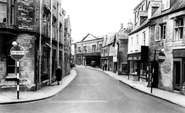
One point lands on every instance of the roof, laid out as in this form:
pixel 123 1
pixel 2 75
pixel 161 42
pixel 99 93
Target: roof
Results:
pixel 108 39
pixel 89 35
pixel 143 25
pixel 176 6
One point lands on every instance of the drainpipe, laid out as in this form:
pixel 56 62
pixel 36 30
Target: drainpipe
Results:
pixel 40 48
pixel 58 33
pixel 51 46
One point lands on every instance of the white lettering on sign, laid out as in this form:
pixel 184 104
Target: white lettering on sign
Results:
pixel 162 57
pixel 17 52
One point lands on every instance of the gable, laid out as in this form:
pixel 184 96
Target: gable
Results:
pixel 89 37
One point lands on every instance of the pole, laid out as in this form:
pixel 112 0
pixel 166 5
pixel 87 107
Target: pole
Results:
pixel 40 39
pixel 58 34
pixel 17 73
pixel 152 70
pixel 51 36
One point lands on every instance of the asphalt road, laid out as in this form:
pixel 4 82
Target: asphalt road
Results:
pixel 93 91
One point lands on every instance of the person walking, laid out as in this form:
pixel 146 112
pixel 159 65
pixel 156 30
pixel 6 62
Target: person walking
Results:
pixel 105 66
pixel 58 75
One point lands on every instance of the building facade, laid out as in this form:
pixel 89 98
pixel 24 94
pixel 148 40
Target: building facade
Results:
pixel 167 34
pixel 121 43
pixel 138 45
pixel 88 51
pixel 67 45
pixel 34 25
pixel 108 55
pixel 161 29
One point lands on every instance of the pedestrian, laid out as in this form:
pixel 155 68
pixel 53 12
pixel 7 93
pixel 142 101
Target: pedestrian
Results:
pixel 105 66
pixel 58 75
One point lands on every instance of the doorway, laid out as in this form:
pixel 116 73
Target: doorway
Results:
pixel 177 73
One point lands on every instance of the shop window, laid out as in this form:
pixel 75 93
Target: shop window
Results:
pixel 178 29
pixel 3 10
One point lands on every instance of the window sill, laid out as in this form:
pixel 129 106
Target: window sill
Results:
pixel 11 77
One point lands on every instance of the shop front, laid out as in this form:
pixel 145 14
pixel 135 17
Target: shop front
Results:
pixel 178 70
pixel 137 68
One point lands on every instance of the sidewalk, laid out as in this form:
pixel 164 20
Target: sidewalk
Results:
pixel 8 97
pixel 162 94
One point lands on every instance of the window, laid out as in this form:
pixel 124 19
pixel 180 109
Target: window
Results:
pixel 85 48
pixel 3 10
pixel 45 59
pixel 160 32
pixel 93 47
pixel 144 37
pixel 79 49
pixel 179 27
pixel 12 12
pixel 132 41
pixel 137 38
pixel 163 31
pixel 100 46
pixel 165 4
pixel 11 66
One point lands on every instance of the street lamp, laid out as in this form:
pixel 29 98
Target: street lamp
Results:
pixel 14 43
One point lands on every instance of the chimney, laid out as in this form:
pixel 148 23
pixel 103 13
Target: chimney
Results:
pixel 129 25
pixel 121 26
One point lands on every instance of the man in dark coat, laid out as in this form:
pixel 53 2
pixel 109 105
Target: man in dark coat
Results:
pixel 58 75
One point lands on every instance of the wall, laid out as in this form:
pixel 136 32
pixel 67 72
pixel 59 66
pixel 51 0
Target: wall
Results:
pixel 27 63
pixel 136 47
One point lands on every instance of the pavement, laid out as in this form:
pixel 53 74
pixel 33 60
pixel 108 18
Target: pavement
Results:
pixel 10 97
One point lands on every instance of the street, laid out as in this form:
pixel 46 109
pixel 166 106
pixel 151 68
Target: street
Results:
pixel 93 91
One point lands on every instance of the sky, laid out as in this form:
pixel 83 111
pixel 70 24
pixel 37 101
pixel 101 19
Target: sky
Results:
pixel 98 17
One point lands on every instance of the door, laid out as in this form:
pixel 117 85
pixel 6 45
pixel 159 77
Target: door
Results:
pixel 177 73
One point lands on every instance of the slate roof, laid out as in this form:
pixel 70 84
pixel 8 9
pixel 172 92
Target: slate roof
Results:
pixel 177 5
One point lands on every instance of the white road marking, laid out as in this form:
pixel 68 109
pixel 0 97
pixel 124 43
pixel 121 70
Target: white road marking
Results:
pixel 81 101
pixel 86 84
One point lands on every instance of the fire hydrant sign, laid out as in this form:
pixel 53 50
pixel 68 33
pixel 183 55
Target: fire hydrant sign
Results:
pixel 17 52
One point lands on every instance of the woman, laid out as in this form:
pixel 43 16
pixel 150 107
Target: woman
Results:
pixel 58 75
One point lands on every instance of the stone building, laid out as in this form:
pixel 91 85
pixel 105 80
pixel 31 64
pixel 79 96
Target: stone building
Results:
pixel 164 25
pixel 167 34
pixel 31 25
pixel 121 43
pixel 67 45
pixel 88 51
pixel 108 52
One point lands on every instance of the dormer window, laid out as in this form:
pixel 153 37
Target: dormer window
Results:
pixel 165 4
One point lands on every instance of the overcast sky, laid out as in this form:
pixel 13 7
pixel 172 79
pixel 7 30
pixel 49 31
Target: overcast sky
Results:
pixel 98 17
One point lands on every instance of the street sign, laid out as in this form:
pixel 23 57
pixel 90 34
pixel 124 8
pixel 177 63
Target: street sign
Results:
pixel 161 57
pixel 17 52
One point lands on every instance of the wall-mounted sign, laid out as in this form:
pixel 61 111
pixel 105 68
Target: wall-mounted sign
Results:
pixel 161 57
